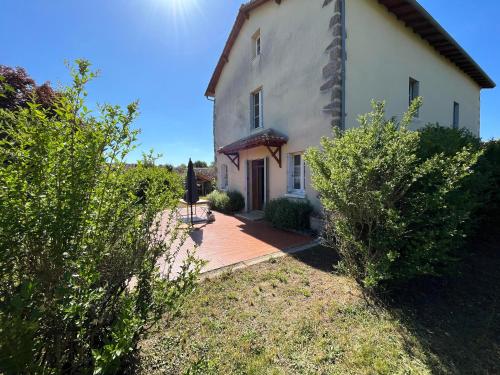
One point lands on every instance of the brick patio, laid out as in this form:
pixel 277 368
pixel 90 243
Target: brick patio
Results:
pixel 230 240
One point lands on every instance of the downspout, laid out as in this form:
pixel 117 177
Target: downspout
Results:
pixel 213 133
pixel 213 124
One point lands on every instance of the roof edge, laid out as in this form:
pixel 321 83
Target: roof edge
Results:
pixel 481 77
pixel 243 15
pixel 490 83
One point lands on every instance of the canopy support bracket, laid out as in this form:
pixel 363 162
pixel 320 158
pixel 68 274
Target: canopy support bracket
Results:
pixel 276 154
pixel 235 158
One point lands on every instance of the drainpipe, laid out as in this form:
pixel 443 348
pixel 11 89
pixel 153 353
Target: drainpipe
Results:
pixel 213 132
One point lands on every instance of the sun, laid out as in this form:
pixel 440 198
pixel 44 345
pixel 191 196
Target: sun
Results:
pixel 174 19
pixel 180 12
pixel 181 7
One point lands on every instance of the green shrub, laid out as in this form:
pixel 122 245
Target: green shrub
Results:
pixel 436 139
pixel 480 190
pixel 218 200
pixel 284 213
pixel 489 166
pixel 473 194
pixel 226 202
pixel 143 176
pixel 79 282
pixel 391 214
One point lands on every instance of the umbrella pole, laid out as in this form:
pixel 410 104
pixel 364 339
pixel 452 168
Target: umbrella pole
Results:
pixel 191 213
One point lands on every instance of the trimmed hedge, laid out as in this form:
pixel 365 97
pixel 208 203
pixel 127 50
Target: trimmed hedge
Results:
pixel 226 202
pixel 284 213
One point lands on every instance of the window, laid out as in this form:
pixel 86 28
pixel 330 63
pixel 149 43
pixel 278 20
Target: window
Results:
pixel 456 115
pixel 414 89
pixel 224 176
pixel 256 44
pixel 256 104
pixel 296 174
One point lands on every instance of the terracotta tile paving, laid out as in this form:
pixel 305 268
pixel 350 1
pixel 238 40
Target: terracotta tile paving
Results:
pixel 230 240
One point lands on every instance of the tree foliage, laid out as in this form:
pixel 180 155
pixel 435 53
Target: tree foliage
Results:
pixel 392 212
pixel 18 89
pixel 200 164
pixel 79 275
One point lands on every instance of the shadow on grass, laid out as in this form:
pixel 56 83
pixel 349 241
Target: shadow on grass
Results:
pixel 320 258
pixel 455 320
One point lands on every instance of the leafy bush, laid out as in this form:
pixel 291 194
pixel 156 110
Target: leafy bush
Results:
pixel 481 188
pixel 489 166
pixel 392 214
pixel 143 176
pixel 284 213
pixel 226 202
pixel 79 281
pixel 435 139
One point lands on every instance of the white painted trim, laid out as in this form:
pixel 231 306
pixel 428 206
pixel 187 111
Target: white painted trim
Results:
pixel 290 178
pixel 259 91
pixel 296 195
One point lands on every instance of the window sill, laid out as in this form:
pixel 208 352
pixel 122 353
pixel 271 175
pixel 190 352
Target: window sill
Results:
pixel 296 195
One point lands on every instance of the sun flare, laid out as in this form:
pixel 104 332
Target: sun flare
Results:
pixel 181 7
pixel 180 12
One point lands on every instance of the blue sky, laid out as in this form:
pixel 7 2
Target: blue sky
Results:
pixel 163 52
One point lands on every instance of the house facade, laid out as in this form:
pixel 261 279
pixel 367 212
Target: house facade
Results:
pixel 292 69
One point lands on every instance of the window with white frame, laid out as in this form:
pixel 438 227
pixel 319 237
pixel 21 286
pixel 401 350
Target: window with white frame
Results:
pixel 256 43
pixel 413 92
pixel 456 115
pixel 296 174
pixel 256 104
pixel 224 177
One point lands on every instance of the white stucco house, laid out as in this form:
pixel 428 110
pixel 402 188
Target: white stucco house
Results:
pixel 292 69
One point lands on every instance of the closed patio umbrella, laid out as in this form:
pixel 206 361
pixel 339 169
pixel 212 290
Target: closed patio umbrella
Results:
pixel 191 196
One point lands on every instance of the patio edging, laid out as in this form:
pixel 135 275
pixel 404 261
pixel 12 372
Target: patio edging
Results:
pixel 264 258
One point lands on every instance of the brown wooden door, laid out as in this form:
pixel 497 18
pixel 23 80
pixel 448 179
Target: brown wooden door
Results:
pixel 258 188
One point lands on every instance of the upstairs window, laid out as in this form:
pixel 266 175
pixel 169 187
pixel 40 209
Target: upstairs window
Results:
pixel 256 109
pixel 256 43
pixel 456 115
pixel 296 174
pixel 414 91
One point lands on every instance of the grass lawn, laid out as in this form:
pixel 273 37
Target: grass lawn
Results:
pixel 294 316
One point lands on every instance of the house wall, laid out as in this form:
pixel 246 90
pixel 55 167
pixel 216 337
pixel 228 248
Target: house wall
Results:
pixel 290 73
pixel 381 56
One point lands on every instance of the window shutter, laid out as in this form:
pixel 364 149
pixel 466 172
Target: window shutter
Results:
pixel 251 112
pixel 261 108
pixel 227 176
pixel 224 177
pixel 266 171
pixel 249 171
pixel 303 168
pixel 290 173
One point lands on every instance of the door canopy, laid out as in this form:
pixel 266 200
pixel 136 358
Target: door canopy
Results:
pixel 268 138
